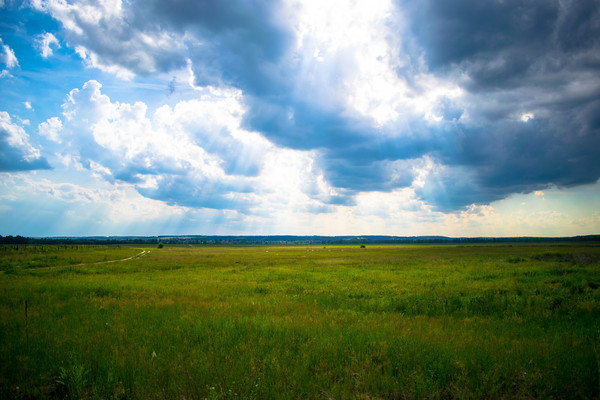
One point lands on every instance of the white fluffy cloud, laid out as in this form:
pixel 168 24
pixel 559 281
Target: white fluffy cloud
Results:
pixel 51 129
pixel 16 151
pixel 192 154
pixel 15 136
pixel 45 41
pixel 8 58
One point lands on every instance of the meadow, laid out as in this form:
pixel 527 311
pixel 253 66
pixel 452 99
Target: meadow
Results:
pixel 302 322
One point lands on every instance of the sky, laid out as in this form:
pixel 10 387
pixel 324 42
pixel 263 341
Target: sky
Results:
pixel 257 117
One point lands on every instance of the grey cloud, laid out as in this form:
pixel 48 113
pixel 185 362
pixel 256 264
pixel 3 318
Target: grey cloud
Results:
pixel 460 30
pixel 514 57
pixel 369 175
pixel 237 42
pixel 230 42
pixel 506 44
pixel 577 25
pixel 14 159
pixel 198 193
pixel 517 157
pixel 172 86
pixel 113 39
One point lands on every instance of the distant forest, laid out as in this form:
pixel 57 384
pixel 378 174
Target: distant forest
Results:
pixel 284 240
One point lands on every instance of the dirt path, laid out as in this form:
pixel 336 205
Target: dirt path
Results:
pixel 143 253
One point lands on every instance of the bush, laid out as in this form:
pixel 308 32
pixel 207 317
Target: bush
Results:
pixel 160 245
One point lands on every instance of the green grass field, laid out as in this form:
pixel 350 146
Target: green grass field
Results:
pixel 380 322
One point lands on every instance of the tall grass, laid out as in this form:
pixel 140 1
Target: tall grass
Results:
pixel 259 322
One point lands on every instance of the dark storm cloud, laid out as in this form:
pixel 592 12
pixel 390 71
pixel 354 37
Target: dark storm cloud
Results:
pixel 511 157
pixel 298 124
pixel 503 45
pixel 515 57
pixel 236 42
pixel 456 31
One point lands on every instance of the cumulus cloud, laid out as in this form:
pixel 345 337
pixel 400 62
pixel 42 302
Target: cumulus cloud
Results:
pixel 45 41
pixel 194 154
pixel 8 58
pixel 16 151
pixel 105 37
pixel 51 129
pixel 500 97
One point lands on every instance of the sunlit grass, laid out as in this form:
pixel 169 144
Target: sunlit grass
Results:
pixel 259 322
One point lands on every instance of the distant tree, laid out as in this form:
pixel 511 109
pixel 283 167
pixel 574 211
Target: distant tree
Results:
pixel 14 239
pixel 160 245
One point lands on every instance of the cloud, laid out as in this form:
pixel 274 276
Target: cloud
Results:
pixel 501 97
pixel 172 86
pixel 51 129
pixel 96 208
pixel 194 154
pixel 16 152
pixel 235 43
pixel 526 116
pixel 480 35
pixel 45 41
pixel 105 37
pixel 8 58
pixel 511 56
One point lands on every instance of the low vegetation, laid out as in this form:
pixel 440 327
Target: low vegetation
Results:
pixel 376 322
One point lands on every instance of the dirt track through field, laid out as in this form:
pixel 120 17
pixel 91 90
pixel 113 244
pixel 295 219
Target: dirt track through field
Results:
pixel 143 253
